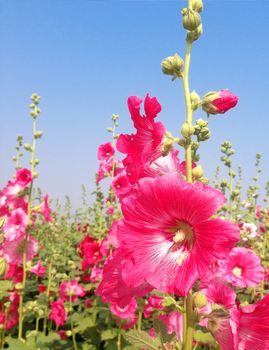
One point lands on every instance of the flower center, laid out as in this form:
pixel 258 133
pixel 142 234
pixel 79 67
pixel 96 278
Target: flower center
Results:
pixel 183 234
pixel 237 271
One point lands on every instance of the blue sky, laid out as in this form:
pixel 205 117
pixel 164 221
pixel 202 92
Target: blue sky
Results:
pixel 86 57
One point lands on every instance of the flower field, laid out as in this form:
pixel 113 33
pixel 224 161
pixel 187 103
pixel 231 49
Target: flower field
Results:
pixel 160 258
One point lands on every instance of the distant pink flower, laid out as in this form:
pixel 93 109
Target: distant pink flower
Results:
pixel 126 311
pixel 104 247
pixel 250 229
pixel 174 323
pixel 58 313
pixel 88 303
pixel 105 151
pixel 23 177
pixel 38 269
pixel 112 287
pixel 71 290
pixel 14 249
pixel 154 302
pixel 167 238
pixel 121 185
pixel 90 251
pixel 219 102
pixel 96 274
pixel 16 224
pixel 242 268
pixel 110 210
pixel 45 209
pixel 14 273
pixel 112 233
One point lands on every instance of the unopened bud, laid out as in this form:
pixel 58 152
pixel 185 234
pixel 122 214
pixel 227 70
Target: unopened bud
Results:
pixel 28 147
pixel 38 134
pixel 68 333
pixel 168 142
pixel 187 130
pixel 195 99
pixel 168 301
pixel 195 34
pixel 173 65
pixel 3 267
pixel 115 117
pixel 199 300
pixel 109 129
pixel 198 172
pixel 197 5
pixel 191 19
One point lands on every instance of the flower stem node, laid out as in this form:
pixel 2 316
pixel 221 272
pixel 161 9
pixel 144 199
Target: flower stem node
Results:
pixel 191 19
pixel 173 65
pixel 198 172
pixel 199 300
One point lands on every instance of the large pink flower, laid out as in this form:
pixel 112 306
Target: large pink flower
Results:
pixel 23 177
pixel 15 249
pixel 38 269
pixel 126 311
pixel 167 238
pixel 16 224
pixel 105 151
pixel 242 268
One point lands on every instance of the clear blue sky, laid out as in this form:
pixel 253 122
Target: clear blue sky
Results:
pixel 86 57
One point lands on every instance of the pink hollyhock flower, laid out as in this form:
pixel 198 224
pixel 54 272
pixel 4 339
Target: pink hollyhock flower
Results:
pixel 3 205
pixel 126 311
pixel 246 329
pixel 145 145
pixel 96 274
pixel 100 173
pixel 88 303
pixel 11 319
pixel 41 288
pixel 16 224
pixel 154 302
pixel 104 247
pixel 174 323
pixel 38 269
pixel 242 268
pixel 14 273
pixel 250 229
pixel 127 323
pixel 172 243
pixel 121 185
pixel 45 209
pixel 219 102
pixel 58 313
pixel 23 177
pixel 112 287
pixel 110 210
pixel 14 249
pixel 90 250
pixel 218 292
pixel 112 233
pixel 71 289
pixel 105 151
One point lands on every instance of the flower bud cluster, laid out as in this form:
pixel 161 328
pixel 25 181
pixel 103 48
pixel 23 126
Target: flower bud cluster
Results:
pixel 173 65
pixel 226 149
pixel 192 20
pixel 201 130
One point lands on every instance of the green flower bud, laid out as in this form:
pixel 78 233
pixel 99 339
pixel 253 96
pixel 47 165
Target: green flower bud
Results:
pixel 3 267
pixel 28 147
pixel 195 99
pixel 201 122
pixel 38 134
pixel 195 34
pixel 168 142
pixel 168 301
pixel 191 19
pixel 115 117
pixel 109 129
pixel 187 130
pixel 198 172
pixel 199 300
pixel 197 5
pixel 68 333
pixel 173 65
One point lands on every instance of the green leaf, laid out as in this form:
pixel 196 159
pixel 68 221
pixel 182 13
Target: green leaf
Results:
pixel 204 338
pixel 16 344
pixel 142 339
pixel 109 334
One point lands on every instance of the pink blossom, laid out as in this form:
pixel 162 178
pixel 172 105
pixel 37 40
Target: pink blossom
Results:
pixel 38 269
pixel 45 209
pixel 96 274
pixel 126 311
pixel 105 151
pixel 23 177
pixel 219 102
pixel 121 185
pixel 88 303
pixel 174 323
pixel 112 287
pixel 154 302
pixel 112 233
pixel 16 224
pixel 110 210
pixel 250 229
pixel 242 268
pixel 71 290
pixel 167 238
pixel 90 251
pixel 58 313
pixel 15 249
pixel 104 247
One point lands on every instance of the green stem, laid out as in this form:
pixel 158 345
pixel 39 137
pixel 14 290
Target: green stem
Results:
pixel 21 297
pixel 230 194
pixel 189 330
pixel 72 327
pixel 119 340
pixel 47 297
pixel 139 324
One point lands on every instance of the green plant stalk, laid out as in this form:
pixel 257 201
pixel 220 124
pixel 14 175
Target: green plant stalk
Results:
pixel 188 330
pixel 47 295
pixel 72 327
pixel 230 194
pixel 21 298
pixel 119 340
pixel 139 324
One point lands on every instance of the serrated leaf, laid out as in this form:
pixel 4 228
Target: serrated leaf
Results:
pixel 16 344
pixel 161 331
pixel 142 339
